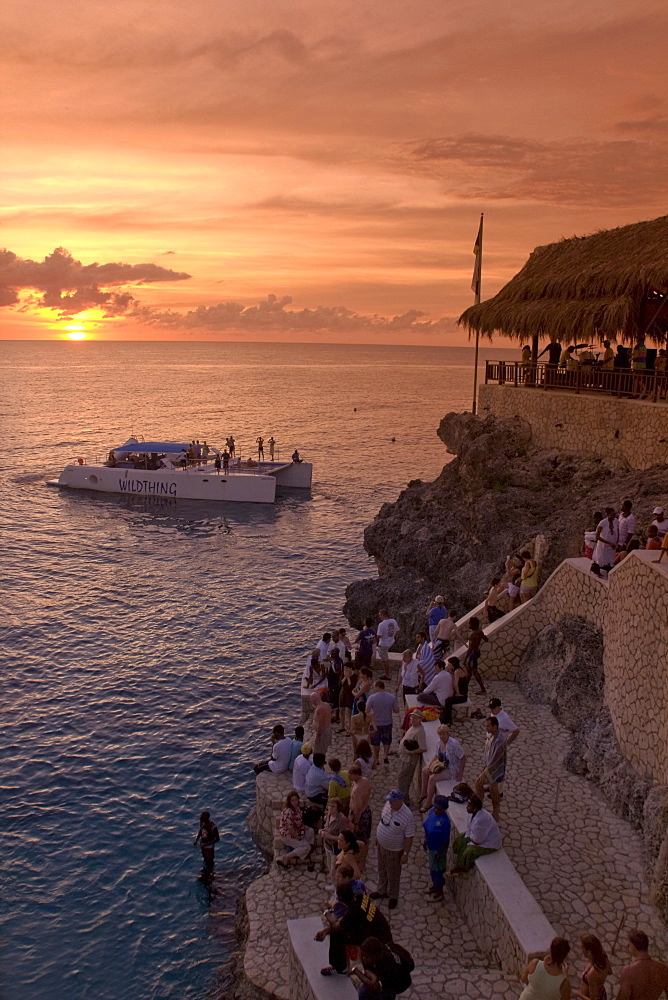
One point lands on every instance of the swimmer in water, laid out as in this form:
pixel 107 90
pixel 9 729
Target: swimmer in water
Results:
pixel 207 838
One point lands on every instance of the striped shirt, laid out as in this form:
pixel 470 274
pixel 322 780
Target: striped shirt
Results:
pixel 394 827
pixel 425 657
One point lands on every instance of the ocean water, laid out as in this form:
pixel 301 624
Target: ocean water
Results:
pixel 149 644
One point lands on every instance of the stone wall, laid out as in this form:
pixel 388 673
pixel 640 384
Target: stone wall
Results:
pixel 630 433
pixel 270 792
pixel 570 591
pixel 631 611
pixel 635 656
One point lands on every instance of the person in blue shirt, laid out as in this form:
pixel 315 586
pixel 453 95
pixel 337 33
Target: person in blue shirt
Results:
pixel 437 839
pixel 435 612
pixel 365 643
pixel 297 743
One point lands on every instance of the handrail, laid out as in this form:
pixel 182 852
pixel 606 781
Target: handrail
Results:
pixel 627 382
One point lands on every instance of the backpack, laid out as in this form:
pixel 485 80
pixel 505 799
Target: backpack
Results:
pixel 405 965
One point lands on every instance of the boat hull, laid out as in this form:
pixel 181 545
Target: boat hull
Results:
pixel 193 484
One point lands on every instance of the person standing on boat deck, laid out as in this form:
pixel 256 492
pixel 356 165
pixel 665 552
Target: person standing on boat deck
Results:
pixel 232 446
pixel 259 441
pixel 182 458
pixel 198 451
pixel 205 453
pixel 226 461
pixel 216 464
pixel 272 444
pixel 295 456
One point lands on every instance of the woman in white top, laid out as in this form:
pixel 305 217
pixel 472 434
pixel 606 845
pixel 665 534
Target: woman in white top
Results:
pixel 607 537
pixel 449 762
pixel 546 977
pixel 411 674
pixel 313 678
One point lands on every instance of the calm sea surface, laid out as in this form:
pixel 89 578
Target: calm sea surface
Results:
pixel 148 645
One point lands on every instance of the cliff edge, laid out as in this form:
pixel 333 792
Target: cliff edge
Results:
pixel 499 494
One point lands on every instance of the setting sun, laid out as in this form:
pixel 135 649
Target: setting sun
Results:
pixel 75 331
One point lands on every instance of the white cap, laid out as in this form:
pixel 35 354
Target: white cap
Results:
pixel 658 510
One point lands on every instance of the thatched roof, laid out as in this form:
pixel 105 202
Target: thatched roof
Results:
pixel 584 288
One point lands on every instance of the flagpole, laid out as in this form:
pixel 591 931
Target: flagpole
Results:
pixel 477 283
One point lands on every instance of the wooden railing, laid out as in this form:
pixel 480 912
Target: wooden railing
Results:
pixel 648 384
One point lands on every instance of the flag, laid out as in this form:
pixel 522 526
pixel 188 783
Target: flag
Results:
pixel 477 267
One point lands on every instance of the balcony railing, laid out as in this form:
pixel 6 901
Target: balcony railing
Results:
pixel 648 384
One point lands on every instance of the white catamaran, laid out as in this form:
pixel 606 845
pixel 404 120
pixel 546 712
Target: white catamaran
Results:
pixel 161 469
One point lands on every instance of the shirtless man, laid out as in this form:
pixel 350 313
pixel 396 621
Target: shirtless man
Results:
pixel 360 811
pixel 447 631
pixel 496 589
pixel 476 639
pixel 322 722
pixel 647 978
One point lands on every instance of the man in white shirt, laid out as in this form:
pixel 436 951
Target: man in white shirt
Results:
pixel 386 635
pixel 338 644
pixel 441 687
pixel 661 521
pixel 280 754
pixel 324 645
pixel 482 837
pixel 301 767
pixel 506 724
pixel 627 524
pixel 394 839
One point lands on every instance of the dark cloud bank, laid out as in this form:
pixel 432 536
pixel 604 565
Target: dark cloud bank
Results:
pixel 66 285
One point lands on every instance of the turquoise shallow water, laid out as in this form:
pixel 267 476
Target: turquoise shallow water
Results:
pixel 147 646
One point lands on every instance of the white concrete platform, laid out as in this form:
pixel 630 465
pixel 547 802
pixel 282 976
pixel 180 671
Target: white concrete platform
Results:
pixel 503 916
pixel 307 958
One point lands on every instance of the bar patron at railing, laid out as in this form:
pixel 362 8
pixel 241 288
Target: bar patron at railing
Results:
pixel 586 377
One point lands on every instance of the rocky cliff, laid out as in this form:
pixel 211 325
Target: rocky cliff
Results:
pixel 499 494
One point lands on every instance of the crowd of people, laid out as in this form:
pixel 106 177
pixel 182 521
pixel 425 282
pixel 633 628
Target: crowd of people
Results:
pixel 635 371
pixel 330 799
pixel 613 535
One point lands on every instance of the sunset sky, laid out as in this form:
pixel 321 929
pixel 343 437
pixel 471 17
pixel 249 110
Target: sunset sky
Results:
pixel 295 170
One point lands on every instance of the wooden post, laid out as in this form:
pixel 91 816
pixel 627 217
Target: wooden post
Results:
pixel 476 285
pixel 619 931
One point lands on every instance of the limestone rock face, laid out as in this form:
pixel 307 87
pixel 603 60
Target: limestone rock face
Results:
pixel 563 667
pixel 499 494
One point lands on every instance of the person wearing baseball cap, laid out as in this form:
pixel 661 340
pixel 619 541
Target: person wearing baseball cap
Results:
pixel 660 521
pixel 435 612
pixel 394 839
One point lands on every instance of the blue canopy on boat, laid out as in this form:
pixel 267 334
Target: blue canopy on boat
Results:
pixel 148 447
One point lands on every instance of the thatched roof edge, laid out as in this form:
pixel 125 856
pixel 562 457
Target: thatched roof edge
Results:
pixel 581 288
